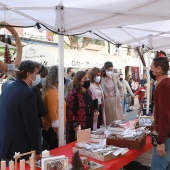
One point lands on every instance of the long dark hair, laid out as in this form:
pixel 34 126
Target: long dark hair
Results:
pixel 77 78
pixel 107 65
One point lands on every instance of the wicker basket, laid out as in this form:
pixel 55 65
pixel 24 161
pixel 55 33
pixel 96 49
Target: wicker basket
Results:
pixel 130 144
pixel 151 128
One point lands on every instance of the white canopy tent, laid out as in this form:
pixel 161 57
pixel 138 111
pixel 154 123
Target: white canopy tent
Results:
pixel 72 17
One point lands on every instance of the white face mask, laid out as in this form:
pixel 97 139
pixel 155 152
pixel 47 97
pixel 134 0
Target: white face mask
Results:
pixel 36 81
pixel 109 73
pixel 97 79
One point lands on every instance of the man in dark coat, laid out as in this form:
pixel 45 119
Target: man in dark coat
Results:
pixel 19 129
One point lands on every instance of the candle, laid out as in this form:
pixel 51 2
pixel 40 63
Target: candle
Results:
pixel 32 162
pixel 45 154
pixel 11 165
pixel 22 164
pixel 3 165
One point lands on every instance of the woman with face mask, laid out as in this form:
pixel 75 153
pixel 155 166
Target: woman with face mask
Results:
pixel 113 93
pixel 79 104
pixel 97 94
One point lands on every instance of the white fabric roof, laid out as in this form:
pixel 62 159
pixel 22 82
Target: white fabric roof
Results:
pixel 136 35
pixel 84 15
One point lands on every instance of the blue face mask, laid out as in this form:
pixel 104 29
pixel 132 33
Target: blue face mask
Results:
pixel 42 80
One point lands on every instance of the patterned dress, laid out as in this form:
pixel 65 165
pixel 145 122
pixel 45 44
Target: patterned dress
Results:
pixel 79 111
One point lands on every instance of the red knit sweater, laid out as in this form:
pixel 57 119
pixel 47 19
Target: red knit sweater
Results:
pixel 162 109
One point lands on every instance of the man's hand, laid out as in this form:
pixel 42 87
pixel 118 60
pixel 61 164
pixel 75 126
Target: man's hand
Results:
pixel 161 150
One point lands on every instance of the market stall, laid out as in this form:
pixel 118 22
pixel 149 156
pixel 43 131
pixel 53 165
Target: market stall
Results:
pixel 117 163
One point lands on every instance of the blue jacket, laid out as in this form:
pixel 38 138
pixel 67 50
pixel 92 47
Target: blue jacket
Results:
pixel 19 130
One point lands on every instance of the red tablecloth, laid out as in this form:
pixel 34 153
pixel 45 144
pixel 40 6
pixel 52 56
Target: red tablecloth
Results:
pixel 117 163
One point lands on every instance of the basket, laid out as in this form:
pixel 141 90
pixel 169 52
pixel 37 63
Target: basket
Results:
pixel 151 128
pixel 130 144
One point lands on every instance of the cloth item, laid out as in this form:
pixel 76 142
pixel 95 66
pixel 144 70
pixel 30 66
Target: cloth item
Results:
pixel 127 98
pixel 97 79
pixel 37 80
pixel 55 124
pixel 161 163
pixel 80 110
pixel 109 73
pixel 51 138
pixel 113 107
pixel 97 93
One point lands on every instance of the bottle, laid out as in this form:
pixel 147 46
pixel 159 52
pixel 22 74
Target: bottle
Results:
pixel 79 127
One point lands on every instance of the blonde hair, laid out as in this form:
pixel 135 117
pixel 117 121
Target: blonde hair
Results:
pixel 51 79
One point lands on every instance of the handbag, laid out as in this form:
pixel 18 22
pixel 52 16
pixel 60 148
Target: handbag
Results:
pixel 127 98
pixel 154 138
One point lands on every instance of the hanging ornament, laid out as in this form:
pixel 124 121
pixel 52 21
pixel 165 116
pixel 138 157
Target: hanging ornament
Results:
pixel 17 61
pixel 7 55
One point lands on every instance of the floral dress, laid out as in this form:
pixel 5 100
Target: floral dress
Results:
pixel 79 112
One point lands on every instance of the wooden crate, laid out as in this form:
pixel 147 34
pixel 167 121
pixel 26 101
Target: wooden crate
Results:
pixel 84 152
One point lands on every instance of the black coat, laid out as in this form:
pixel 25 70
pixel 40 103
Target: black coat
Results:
pixel 19 130
pixel 40 104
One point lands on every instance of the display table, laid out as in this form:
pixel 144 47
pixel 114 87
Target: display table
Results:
pixel 117 163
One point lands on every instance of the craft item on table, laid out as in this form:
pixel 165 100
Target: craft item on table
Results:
pixel 32 161
pixel 55 162
pixel 83 135
pixel 11 165
pixel 3 165
pixel 88 148
pixel 131 138
pixel 98 134
pixel 99 151
pixel 45 154
pixel 22 164
pixel 79 127
pixel 18 155
pixel 82 163
pixel 115 128
pixel 76 162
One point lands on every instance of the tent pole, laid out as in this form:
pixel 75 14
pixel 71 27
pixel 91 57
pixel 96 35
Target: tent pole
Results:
pixel 148 76
pixel 60 76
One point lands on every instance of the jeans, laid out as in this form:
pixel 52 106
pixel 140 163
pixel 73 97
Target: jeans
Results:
pixel 161 163
pixel 124 106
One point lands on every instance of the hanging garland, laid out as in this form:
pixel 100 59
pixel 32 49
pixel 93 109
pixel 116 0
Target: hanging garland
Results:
pixel 4 66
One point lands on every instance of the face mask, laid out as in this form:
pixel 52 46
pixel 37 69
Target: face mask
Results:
pixel 109 73
pixel 42 80
pixel 97 79
pixel 64 80
pixel 86 84
pixel 151 75
pixel 73 74
pixel 121 79
pixel 37 80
